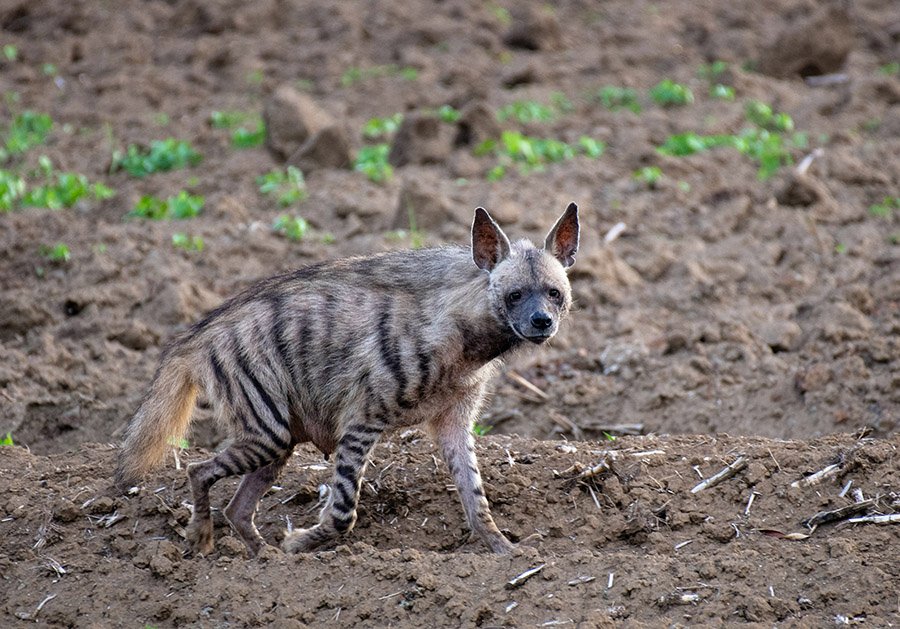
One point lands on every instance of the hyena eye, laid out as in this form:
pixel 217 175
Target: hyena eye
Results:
pixel 514 297
pixel 554 294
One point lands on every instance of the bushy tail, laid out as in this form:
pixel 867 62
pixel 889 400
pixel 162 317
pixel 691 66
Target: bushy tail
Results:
pixel 164 415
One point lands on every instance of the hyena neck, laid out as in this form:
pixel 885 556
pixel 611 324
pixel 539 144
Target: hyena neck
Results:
pixel 485 339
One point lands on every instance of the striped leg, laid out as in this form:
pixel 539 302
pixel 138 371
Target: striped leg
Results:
pixel 241 457
pixel 339 514
pixel 241 511
pixel 454 437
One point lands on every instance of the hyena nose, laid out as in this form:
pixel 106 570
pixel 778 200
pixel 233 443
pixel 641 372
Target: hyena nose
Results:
pixel 541 320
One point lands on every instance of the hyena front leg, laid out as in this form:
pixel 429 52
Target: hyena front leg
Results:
pixel 454 437
pixel 339 514
pixel 241 511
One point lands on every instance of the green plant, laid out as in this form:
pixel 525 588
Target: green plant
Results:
pixel 184 241
pixel 480 430
pixel 671 94
pixel 532 153
pixel 762 115
pixel 764 147
pixel 27 130
pixel 7 440
pixel 526 111
pixel 890 68
pixel 162 155
pixel 288 186
pixel 887 207
pixel 226 119
pixel 682 144
pixel 12 188
pixel 180 443
pixel 840 248
pixel 562 103
pixel 10 52
pixel 376 128
pixel 56 253
pixel 291 227
pixel 649 175
pixel 356 74
pixel 721 92
pixel 182 205
pixel 249 137
pixel 448 113
pixel 372 161
pixel 712 71
pixel 65 191
pixel 49 69
pixel 500 13
pixel 615 98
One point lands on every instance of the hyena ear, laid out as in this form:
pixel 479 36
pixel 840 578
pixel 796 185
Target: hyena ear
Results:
pixel 562 241
pixel 489 244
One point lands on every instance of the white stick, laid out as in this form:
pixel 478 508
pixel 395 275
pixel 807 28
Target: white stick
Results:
pixel 818 477
pixel 739 464
pixel 845 489
pixel 614 232
pixel 891 518
pixel 807 161
pixel 522 578
pixel 609 582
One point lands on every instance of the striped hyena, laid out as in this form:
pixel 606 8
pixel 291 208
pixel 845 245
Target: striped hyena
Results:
pixel 339 352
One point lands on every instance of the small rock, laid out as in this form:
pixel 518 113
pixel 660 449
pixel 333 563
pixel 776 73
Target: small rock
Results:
pixel 506 212
pixel 231 546
pixel 328 148
pixel 533 28
pixel 179 302
pixel 813 378
pixel 160 566
pixel 421 139
pixel 66 512
pixel 101 506
pixel 780 336
pixel 818 44
pixel 842 322
pixel 134 335
pixel 291 119
pixel 476 124
pixel 421 205
pixel 801 191
pixel 521 73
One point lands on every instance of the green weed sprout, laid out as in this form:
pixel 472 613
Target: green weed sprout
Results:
pixel 448 113
pixel 249 137
pixel 376 128
pixel 181 206
pixel 10 52
pixel 649 175
pixel 288 186
pixel 12 188
pixel 162 155
pixel 721 92
pixel 7 440
pixel 58 253
pixel 615 98
pixel 670 94
pixel 887 207
pixel 291 227
pixel 27 130
pixel 532 153
pixel 712 71
pixel 373 163
pixel 480 430
pixel 762 115
pixel 184 241
pixel 355 74
pixel 526 111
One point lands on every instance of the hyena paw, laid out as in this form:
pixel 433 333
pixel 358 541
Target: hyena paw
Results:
pixel 200 535
pixel 304 540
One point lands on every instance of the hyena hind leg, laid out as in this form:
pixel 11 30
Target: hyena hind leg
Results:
pixel 339 514
pixel 241 457
pixel 241 511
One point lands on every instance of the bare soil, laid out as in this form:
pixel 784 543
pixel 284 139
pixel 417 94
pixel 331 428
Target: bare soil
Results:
pixel 733 317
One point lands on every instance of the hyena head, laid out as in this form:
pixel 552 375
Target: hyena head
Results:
pixel 529 290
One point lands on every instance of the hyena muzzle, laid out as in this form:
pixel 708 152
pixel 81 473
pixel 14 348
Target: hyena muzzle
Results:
pixel 340 352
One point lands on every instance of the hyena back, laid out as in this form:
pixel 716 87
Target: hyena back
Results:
pixel 338 353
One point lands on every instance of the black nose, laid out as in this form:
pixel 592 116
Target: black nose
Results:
pixel 541 320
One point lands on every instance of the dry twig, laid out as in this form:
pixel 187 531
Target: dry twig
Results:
pixel 729 471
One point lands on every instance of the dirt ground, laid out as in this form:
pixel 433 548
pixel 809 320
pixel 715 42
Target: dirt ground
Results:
pixel 732 317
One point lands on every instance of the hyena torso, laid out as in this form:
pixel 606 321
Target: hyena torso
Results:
pixel 338 353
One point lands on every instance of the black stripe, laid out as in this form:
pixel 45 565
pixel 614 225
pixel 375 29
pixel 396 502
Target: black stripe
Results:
pixel 304 332
pixel 345 501
pixel 221 460
pixel 261 425
pixel 478 491
pixel 347 471
pixel 219 373
pixel 244 366
pixel 268 452
pixel 276 302
pixel 389 348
